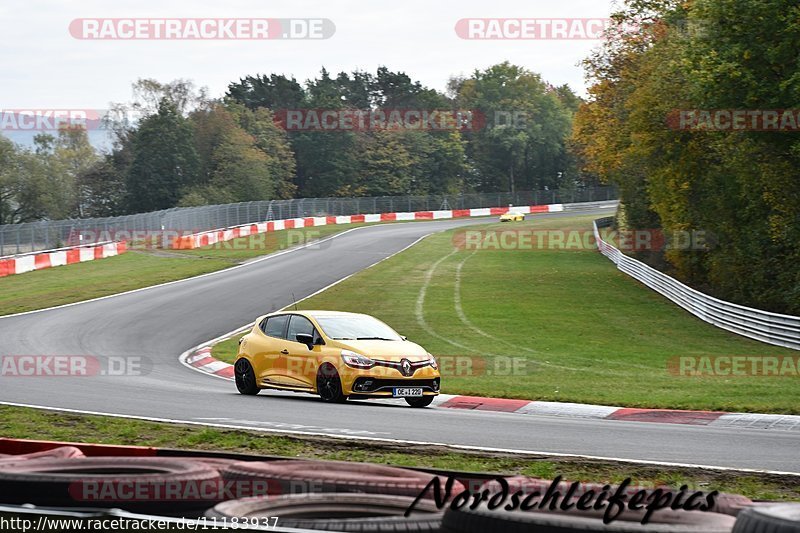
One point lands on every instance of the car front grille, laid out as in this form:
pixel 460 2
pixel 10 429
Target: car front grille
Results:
pixel 365 384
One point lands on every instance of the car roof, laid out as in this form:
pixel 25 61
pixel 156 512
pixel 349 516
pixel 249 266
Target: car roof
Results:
pixel 316 313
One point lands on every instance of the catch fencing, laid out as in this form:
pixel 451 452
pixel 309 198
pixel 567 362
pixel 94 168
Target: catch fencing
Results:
pixel 49 234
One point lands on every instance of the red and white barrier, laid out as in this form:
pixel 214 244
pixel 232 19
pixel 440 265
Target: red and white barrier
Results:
pixel 19 264
pixel 206 238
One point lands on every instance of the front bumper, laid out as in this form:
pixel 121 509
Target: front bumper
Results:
pixel 379 382
pixel 384 387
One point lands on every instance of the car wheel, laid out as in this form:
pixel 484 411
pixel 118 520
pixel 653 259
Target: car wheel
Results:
pixel 245 377
pixel 425 401
pixel 329 385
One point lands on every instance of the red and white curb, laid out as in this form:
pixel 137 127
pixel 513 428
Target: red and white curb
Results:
pixel 203 361
pixel 18 264
pixel 206 238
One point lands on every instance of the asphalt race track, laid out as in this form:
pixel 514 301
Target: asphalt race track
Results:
pixel 160 323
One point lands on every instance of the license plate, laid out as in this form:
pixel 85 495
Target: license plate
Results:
pixel 405 392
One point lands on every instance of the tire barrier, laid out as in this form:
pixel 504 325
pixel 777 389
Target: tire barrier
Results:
pixel 581 521
pixel 62 452
pixel 293 476
pixel 724 503
pixel 780 518
pixel 353 497
pixel 135 483
pixel 344 512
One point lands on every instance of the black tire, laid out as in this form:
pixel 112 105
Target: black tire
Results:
pixel 500 521
pixel 60 452
pixel 356 513
pixel 295 477
pixel 108 481
pixel 725 503
pixel 425 401
pixel 778 518
pixel 245 377
pixel 731 504
pixel 329 385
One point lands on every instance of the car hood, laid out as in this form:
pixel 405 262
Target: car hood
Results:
pixel 386 350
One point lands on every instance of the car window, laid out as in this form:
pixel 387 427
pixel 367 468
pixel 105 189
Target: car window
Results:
pixel 299 324
pixel 275 326
pixel 356 327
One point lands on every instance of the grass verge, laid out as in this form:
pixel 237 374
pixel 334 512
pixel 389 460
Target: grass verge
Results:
pixel 27 423
pixel 551 324
pixel 142 268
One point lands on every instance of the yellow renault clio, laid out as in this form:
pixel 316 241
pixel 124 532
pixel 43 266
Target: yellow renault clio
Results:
pixel 336 355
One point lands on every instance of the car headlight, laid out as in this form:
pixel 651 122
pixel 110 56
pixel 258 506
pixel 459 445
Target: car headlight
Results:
pixel 433 363
pixel 356 360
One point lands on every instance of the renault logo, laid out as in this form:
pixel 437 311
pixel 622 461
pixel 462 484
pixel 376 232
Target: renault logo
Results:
pixel 406 367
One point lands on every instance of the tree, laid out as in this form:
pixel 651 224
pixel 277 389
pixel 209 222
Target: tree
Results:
pixel 236 166
pixel 164 160
pixel 523 145
pixel 275 92
pixel 740 187
pixel 101 189
pixel 273 142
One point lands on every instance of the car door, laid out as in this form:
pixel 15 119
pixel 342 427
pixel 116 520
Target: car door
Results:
pixel 301 362
pixel 267 350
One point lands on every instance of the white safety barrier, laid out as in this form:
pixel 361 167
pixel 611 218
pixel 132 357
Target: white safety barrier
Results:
pixel 772 328
pixel 19 264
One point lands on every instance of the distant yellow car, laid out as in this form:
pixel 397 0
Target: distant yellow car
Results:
pixel 511 216
pixel 336 355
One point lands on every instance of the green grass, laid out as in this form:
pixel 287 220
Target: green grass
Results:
pixel 245 248
pixel 142 268
pixel 26 423
pixel 579 330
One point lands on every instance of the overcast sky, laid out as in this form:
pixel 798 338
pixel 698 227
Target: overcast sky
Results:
pixel 45 67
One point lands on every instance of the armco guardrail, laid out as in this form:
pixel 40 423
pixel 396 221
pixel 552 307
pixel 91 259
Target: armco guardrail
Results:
pixel 772 328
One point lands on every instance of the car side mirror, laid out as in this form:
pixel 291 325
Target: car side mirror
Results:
pixel 306 339
pixel 404 337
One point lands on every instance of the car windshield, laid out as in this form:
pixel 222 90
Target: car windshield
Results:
pixel 356 328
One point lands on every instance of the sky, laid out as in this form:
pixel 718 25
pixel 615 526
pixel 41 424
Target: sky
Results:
pixel 46 67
